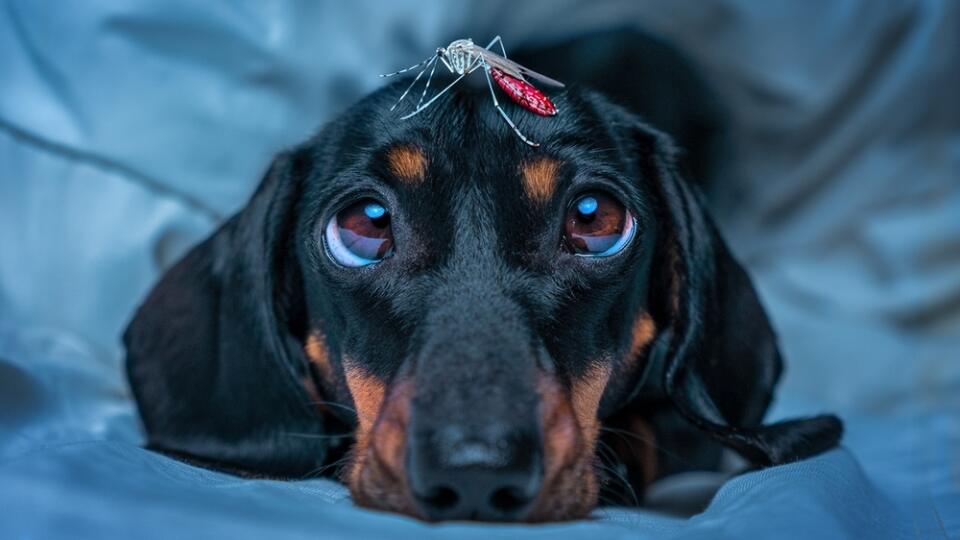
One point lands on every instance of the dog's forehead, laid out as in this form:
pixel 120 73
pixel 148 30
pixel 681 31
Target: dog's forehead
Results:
pixel 488 167
pixel 463 143
pixel 483 192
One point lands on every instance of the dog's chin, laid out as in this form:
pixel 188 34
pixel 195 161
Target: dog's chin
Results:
pixel 377 479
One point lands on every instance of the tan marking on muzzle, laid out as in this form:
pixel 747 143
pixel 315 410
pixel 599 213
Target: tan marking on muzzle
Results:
pixel 367 391
pixel 561 434
pixel 377 476
pixel 586 393
pixel 408 163
pixel 540 178
pixel 569 489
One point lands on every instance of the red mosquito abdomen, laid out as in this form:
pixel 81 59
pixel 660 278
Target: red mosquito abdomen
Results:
pixel 524 93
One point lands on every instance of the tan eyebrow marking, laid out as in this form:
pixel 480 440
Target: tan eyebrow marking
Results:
pixel 408 163
pixel 540 178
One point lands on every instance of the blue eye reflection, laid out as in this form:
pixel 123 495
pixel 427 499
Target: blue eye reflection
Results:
pixel 587 206
pixel 374 210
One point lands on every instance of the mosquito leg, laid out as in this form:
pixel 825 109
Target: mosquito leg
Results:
pixel 500 42
pixel 412 84
pixel 445 63
pixel 434 98
pixel 440 93
pixel 496 103
pixel 427 86
pixel 404 70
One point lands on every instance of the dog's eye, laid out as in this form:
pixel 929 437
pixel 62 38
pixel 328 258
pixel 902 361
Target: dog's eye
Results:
pixel 360 234
pixel 597 225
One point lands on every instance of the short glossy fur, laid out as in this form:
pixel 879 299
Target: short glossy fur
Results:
pixel 480 325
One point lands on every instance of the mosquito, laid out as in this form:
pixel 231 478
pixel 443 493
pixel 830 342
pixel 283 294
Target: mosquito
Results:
pixel 462 57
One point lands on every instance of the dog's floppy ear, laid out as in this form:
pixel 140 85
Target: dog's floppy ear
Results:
pixel 214 370
pixel 716 357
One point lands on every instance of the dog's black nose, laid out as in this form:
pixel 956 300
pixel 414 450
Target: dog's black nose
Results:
pixel 488 474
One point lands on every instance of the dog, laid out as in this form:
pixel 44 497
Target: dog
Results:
pixel 462 327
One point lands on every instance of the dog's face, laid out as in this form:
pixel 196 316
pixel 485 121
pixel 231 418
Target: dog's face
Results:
pixel 472 307
pixel 479 298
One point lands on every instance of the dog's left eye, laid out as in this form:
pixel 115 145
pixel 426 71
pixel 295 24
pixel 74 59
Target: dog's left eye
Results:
pixel 360 234
pixel 597 225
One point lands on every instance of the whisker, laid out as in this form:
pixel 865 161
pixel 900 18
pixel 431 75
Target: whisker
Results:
pixel 612 458
pixel 623 433
pixel 334 404
pixel 320 470
pixel 607 501
pixel 626 483
pixel 606 452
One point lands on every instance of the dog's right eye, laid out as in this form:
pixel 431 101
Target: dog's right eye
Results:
pixel 360 234
pixel 597 225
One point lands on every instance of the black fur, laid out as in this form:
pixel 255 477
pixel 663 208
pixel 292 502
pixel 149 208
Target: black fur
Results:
pixel 478 295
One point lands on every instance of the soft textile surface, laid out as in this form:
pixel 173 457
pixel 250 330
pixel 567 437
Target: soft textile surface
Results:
pixel 71 468
pixel 128 131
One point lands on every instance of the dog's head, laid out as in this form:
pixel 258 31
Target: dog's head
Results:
pixel 470 307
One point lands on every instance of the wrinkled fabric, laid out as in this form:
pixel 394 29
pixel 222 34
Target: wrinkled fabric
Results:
pixel 71 467
pixel 129 131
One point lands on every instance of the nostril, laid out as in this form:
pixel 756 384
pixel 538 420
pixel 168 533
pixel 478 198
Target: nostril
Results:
pixel 441 498
pixel 508 500
pixel 474 474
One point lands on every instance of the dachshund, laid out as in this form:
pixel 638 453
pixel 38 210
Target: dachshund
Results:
pixel 463 327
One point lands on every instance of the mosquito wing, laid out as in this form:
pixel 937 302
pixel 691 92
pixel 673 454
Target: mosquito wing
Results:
pixel 512 68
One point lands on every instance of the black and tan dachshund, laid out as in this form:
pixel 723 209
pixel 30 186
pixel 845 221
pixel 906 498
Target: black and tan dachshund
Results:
pixel 460 326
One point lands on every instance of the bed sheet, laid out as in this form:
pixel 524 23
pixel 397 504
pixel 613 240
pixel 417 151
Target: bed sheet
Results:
pixel 128 131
